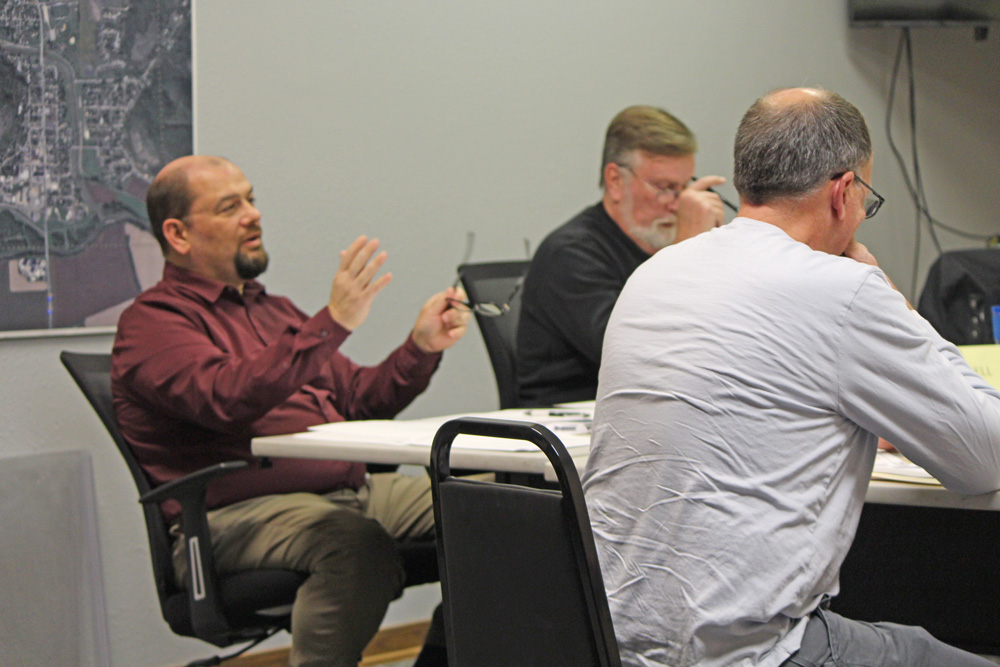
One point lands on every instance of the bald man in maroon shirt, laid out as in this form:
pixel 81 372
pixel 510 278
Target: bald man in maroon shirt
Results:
pixel 207 359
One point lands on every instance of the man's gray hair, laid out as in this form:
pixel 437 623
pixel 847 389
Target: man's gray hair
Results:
pixel 645 128
pixel 788 149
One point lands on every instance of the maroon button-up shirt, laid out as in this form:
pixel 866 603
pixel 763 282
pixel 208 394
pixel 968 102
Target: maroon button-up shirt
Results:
pixel 199 369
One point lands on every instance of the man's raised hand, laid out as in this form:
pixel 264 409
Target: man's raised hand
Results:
pixel 355 285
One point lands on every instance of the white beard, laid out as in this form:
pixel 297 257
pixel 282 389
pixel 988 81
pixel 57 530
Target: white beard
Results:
pixel 658 235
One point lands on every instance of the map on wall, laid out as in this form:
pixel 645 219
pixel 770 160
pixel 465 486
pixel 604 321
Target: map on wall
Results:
pixel 95 97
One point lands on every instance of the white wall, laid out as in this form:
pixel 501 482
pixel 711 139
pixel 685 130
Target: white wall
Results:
pixel 419 121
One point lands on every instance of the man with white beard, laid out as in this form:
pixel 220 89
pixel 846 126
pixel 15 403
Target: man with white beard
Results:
pixel 651 200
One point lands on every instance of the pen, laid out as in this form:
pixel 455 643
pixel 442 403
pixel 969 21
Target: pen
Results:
pixel 725 201
pixel 555 413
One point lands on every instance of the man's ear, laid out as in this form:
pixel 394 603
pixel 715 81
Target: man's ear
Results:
pixel 838 194
pixel 175 231
pixel 614 184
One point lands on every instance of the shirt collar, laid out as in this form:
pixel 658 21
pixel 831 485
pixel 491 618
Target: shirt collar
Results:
pixel 208 289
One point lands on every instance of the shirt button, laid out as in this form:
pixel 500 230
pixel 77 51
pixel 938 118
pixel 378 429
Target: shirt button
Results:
pixel 323 333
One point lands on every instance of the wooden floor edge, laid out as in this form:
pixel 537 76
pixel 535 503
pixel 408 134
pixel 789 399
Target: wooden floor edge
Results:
pixel 390 644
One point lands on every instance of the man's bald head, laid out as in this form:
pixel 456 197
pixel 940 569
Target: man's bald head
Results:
pixel 793 140
pixel 170 195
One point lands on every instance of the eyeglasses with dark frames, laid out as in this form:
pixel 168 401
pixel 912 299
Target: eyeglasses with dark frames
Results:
pixel 490 308
pixel 873 201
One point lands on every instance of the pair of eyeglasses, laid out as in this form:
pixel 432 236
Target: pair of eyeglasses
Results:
pixel 485 308
pixel 490 308
pixel 873 201
pixel 668 195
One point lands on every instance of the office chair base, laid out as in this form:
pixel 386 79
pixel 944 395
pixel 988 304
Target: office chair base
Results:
pixel 219 659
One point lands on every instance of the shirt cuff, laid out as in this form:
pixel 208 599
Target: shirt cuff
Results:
pixel 413 359
pixel 321 328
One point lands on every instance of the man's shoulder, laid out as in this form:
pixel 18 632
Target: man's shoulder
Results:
pixel 191 302
pixel 766 244
pixel 162 294
pixel 584 225
pixel 158 293
pixel 591 233
pixel 754 253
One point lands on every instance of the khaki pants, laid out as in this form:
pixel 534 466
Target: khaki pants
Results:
pixel 344 540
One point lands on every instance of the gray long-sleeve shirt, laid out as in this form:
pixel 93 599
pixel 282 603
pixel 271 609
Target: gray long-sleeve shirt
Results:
pixel 745 379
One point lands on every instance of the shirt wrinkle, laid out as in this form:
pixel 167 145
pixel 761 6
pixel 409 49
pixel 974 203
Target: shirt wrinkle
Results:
pixel 839 349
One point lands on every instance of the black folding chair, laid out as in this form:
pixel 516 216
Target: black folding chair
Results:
pixel 519 572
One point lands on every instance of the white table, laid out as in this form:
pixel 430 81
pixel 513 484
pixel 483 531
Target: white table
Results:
pixel 409 442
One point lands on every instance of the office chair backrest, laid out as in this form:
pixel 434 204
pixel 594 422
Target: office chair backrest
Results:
pixel 499 283
pixel 961 287
pixel 92 373
pixel 519 572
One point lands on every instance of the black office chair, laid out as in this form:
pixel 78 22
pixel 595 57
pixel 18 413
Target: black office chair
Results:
pixel 519 572
pixel 222 609
pixel 960 288
pixel 498 283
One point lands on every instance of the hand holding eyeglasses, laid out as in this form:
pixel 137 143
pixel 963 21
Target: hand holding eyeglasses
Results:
pixel 439 325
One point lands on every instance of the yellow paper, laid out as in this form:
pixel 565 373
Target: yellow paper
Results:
pixel 985 360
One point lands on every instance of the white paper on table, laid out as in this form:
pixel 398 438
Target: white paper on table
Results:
pixel 378 431
pixel 572 427
pixel 543 416
pixel 894 467
pixel 579 405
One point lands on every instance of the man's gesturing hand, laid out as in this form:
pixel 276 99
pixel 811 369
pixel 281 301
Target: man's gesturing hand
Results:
pixel 354 285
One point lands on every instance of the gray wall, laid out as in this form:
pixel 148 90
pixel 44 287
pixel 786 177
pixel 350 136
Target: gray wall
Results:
pixel 419 121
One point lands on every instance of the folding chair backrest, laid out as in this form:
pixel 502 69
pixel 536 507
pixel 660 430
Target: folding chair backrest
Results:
pixel 519 571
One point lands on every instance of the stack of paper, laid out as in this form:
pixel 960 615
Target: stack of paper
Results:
pixel 894 467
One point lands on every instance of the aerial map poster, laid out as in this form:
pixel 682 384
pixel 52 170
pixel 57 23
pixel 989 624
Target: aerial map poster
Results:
pixel 95 97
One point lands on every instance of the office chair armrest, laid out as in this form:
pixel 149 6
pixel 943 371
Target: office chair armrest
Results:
pixel 191 486
pixel 207 617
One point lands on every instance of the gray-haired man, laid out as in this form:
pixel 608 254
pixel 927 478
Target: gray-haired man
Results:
pixel 650 201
